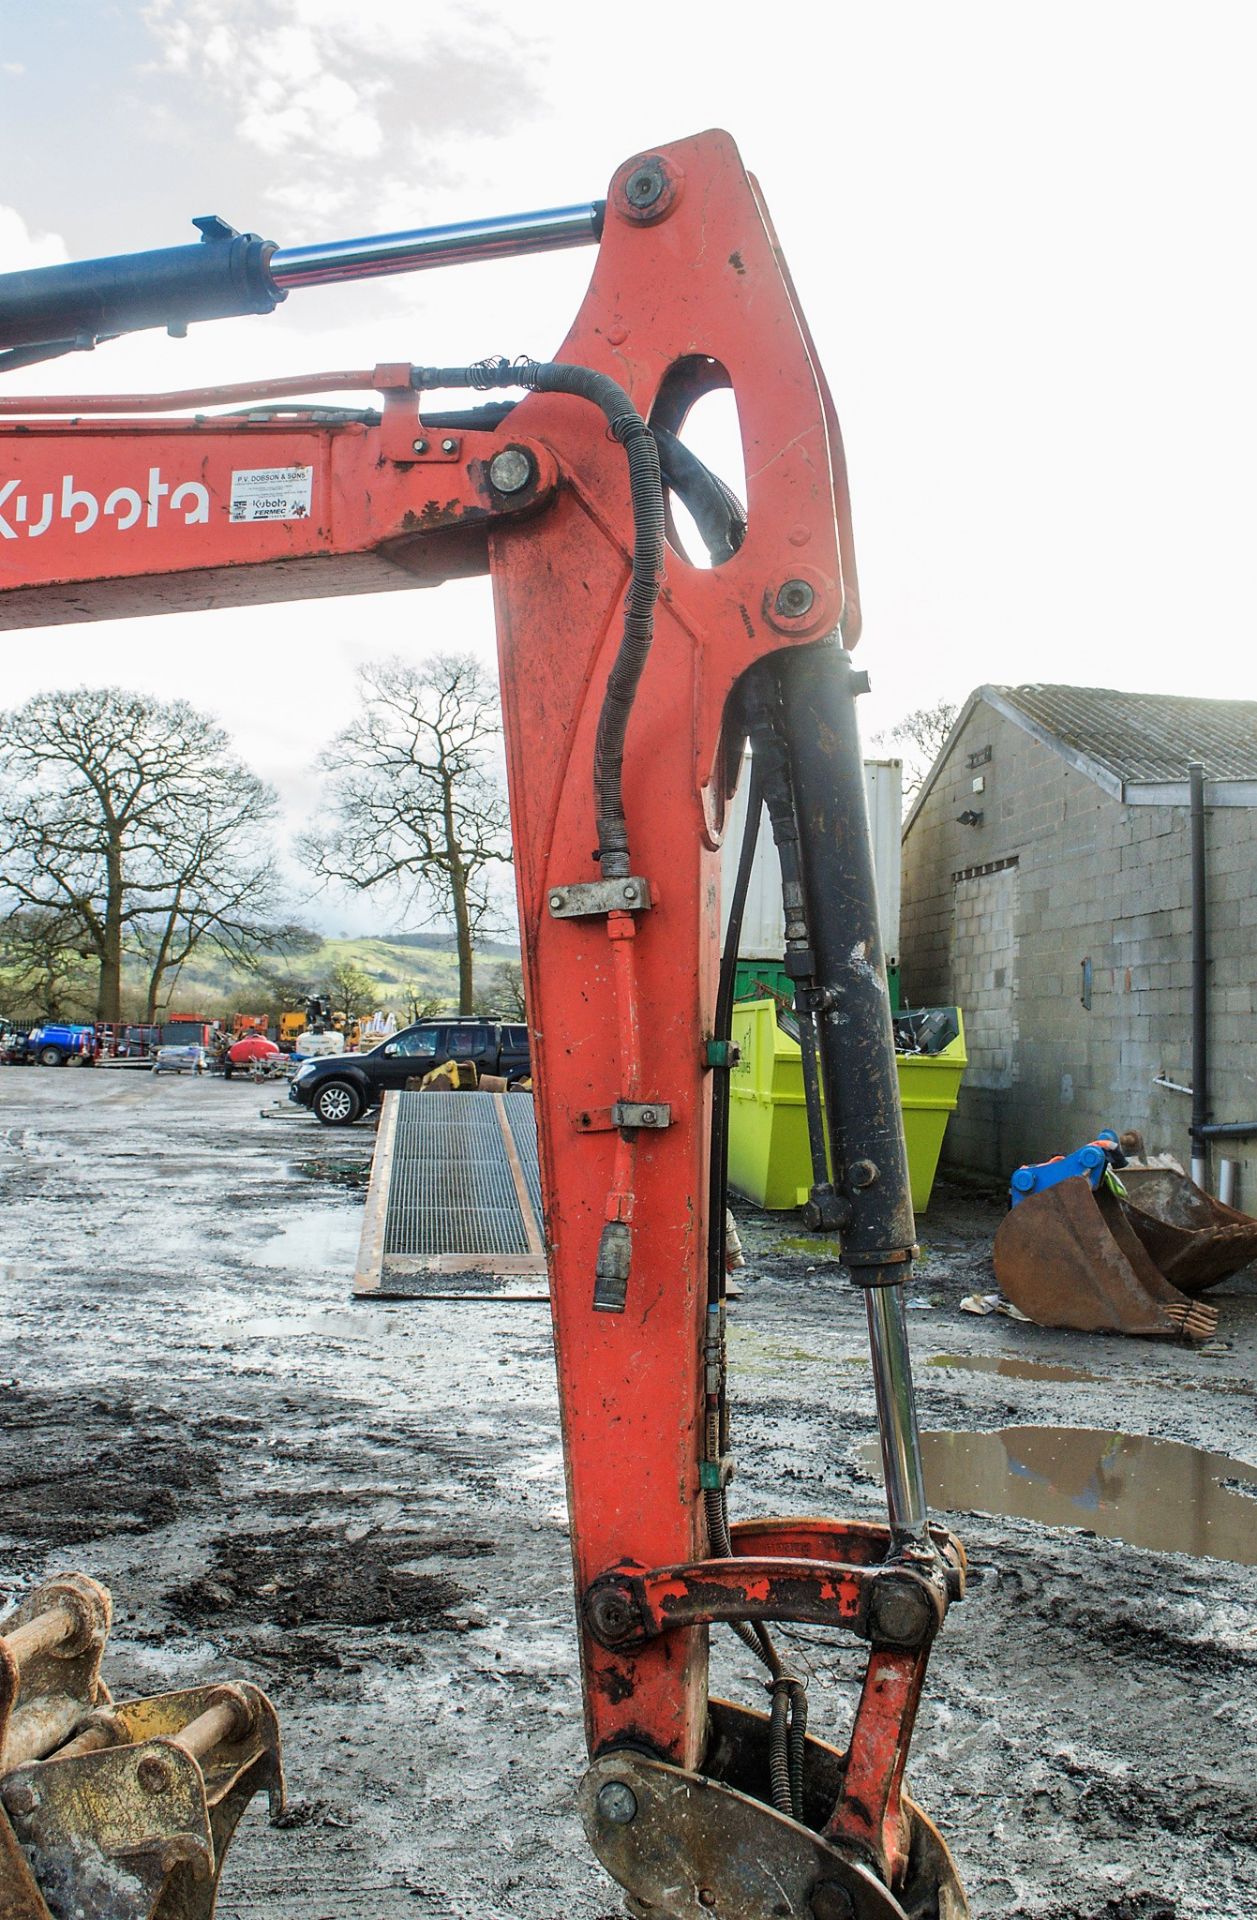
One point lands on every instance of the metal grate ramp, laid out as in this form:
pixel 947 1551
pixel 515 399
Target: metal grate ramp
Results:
pixel 454 1201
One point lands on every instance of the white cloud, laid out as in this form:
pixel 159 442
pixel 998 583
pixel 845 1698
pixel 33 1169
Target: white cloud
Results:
pixel 20 248
pixel 318 88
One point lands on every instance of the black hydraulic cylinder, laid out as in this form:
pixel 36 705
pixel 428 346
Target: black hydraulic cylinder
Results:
pixel 818 687
pixel 226 274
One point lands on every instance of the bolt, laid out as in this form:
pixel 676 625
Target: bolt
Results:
pixel 155 1774
pixel 420 446
pixel 862 1173
pixel 21 1799
pixel 706 1898
pixel 617 1803
pixel 630 893
pixel 794 598
pixel 611 1617
pixel 448 445
pixel 556 901
pixel 648 1116
pixel 900 1612
pixel 644 187
pixel 510 470
pixel 830 1901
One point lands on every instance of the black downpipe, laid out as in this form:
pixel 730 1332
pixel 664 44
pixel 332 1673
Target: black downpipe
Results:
pixel 848 992
pixel 1200 971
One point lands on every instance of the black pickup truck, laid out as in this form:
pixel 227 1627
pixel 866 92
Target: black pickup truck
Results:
pixel 341 1087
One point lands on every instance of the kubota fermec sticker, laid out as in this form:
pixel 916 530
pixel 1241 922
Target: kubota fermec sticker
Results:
pixel 271 493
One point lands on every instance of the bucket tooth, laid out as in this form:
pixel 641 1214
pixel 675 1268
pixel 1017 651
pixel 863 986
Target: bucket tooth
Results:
pixel 1070 1257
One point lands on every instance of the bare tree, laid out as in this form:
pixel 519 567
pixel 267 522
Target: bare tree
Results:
pixel 414 802
pixel 351 989
pixel 285 970
pixel 133 819
pixel 503 991
pixel 44 961
pixel 920 737
pixel 423 1006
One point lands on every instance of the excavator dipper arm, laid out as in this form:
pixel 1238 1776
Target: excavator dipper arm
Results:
pixel 630 680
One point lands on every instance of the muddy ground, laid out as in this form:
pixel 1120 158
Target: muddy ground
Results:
pixel 360 1507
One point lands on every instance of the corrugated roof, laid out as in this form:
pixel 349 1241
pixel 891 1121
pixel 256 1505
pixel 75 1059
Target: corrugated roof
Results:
pixel 1145 736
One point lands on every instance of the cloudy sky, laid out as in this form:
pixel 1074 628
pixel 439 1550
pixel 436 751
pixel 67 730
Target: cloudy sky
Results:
pixel 1022 235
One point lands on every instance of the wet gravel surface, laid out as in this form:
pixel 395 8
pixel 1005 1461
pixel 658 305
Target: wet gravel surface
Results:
pixel 360 1507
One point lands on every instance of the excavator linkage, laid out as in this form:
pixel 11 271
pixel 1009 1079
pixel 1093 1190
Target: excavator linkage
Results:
pixel 632 676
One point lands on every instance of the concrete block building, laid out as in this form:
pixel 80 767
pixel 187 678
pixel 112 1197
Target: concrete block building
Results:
pixel 1047 892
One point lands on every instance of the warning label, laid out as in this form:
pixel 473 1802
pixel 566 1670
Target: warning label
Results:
pixel 271 493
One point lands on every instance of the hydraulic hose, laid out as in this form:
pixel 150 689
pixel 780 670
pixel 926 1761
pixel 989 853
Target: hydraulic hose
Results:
pixel 719 1188
pixel 646 492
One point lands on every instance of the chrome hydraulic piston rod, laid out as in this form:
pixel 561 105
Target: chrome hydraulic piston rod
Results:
pixel 498 238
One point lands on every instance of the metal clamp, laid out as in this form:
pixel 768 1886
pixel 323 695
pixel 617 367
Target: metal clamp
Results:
pixel 623 1114
pixel 587 898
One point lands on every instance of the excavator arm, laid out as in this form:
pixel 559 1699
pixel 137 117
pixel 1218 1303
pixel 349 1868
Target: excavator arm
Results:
pixel 631 679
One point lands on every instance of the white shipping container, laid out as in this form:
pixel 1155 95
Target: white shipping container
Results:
pixel 763 922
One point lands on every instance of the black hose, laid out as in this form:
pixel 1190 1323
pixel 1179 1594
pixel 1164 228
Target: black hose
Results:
pixel 646 492
pixel 718 1191
pixel 716 510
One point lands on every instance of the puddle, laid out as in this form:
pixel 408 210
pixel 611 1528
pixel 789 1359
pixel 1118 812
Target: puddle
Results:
pixel 321 1240
pixel 284 1326
pixel 1010 1369
pixel 1124 1486
pixel 818 1249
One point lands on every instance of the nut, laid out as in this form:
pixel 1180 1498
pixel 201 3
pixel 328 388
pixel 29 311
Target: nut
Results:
pixel 901 1612
pixel 611 1616
pixel 420 446
pixel 794 599
pixel 511 470
pixel 449 446
pixel 617 1803
pixel 154 1773
pixel 830 1901
pixel 644 187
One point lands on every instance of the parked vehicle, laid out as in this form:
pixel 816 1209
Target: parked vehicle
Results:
pixel 186 1058
pixel 54 1044
pixel 341 1089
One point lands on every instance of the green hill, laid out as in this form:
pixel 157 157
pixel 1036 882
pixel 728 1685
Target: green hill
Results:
pixel 402 967
pixel 405 968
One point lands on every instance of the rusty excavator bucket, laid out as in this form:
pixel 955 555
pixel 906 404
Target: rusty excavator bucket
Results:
pixel 1123 1257
pixel 1194 1239
pixel 118 1810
